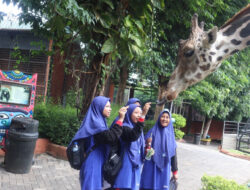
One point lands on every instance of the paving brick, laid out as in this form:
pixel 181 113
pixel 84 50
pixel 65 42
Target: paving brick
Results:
pixel 49 173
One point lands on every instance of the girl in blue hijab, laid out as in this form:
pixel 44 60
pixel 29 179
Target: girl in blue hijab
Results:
pixel 133 101
pixel 95 130
pixel 156 171
pixel 130 101
pixel 133 148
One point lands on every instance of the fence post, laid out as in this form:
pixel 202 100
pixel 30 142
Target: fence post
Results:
pixel 237 138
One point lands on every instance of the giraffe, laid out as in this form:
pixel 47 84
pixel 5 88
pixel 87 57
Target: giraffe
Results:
pixel 202 53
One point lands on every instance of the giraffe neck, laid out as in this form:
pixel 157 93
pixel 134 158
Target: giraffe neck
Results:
pixel 232 38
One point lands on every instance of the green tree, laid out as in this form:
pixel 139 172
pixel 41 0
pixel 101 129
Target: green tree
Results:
pixel 99 28
pixel 173 23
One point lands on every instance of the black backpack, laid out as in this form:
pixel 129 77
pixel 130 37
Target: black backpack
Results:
pixel 77 158
pixel 113 164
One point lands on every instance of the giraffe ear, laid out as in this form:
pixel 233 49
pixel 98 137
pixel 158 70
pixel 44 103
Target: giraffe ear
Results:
pixel 211 36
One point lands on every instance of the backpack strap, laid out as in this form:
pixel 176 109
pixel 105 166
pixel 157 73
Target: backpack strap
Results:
pixel 90 150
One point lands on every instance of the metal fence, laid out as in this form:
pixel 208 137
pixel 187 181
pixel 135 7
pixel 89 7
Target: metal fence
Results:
pixel 242 133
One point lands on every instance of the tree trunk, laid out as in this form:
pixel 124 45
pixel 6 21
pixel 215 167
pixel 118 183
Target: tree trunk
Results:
pixel 131 92
pixel 162 88
pixel 91 80
pixel 106 87
pixel 207 126
pixel 104 82
pixel 122 84
pixel 189 119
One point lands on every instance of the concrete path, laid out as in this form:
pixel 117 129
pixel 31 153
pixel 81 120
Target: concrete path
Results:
pixel 49 173
pixel 196 160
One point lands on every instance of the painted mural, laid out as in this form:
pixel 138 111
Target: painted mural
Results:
pixel 17 98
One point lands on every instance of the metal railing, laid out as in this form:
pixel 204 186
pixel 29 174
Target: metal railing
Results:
pixel 242 131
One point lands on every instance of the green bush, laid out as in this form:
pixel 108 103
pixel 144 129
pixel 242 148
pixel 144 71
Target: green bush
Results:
pixel 179 123
pixel 56 123
pixel 114 113
pixel 178 134
pixel 219 183
pixel 148 125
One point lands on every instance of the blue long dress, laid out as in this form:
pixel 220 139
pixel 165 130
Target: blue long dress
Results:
pixel 93 123
pixel 157 171
pixel 130 173
pixel 91 170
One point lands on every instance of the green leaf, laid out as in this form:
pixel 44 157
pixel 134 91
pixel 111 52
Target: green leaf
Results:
pixel 128 22
pixel 108 2
pixel 158 4
pixel 108 46
pixel 106 20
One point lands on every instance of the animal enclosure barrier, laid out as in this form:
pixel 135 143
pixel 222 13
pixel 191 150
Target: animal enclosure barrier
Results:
pixel 236 135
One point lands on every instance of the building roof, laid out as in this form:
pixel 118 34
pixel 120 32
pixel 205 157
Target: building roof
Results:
pixel 11 22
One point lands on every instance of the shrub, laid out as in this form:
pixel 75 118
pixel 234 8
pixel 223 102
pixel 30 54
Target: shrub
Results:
pixel 179 123
pixel 178 134
pixel 56 123
pixel 148 125
pixel 114 113
pixel 219 183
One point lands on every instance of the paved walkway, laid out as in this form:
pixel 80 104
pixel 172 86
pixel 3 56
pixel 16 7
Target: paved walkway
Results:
pixel 49 173
pixel 196 160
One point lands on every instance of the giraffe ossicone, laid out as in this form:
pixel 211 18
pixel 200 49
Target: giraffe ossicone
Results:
pixel 202 53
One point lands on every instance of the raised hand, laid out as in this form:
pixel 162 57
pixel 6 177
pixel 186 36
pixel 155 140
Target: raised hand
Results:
pixel 145 109
pixel 122 113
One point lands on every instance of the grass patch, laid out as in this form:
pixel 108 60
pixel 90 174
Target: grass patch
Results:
pixel 238 152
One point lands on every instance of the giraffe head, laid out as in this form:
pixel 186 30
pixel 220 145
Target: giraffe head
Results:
pixel 202 53
pixel 194 59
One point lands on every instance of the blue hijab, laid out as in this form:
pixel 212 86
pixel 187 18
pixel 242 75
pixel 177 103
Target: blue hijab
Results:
pixel 130 101
pixel 133 101
pixel 137 146
pixel 94 121
pixel 163 142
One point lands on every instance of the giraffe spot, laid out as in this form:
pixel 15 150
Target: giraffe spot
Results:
pixel 234 26
pixel 210 37
pixel 200 49
pixel 245 31
pixel 198 76
pixel 226 50
pixel 210 58
pixel 235 42
pixel 205 67
pixel 197 62
pixel 186 80
pixel 212 53
pixel 192 81
pixel 248 43
pixel 234 51
pixel 219 58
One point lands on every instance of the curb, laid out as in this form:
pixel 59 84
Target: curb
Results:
pixel 45 146
pixel 235 155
